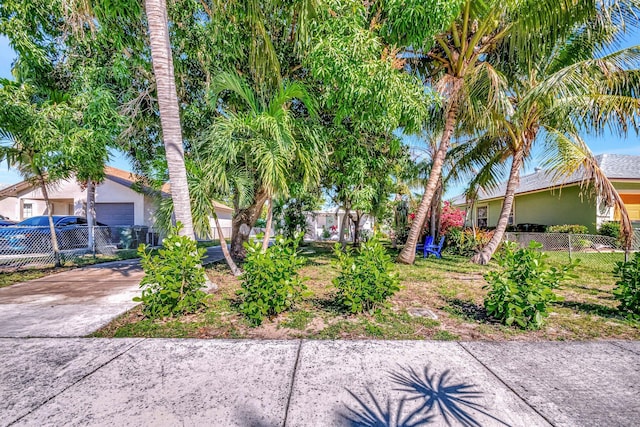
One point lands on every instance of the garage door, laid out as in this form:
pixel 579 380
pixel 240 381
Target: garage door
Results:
pixel 115 213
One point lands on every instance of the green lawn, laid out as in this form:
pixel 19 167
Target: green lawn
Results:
pixel 451 288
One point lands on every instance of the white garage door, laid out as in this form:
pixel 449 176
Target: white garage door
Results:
pixel 115 213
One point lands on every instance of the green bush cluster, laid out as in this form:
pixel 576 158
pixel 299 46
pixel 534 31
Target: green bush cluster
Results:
pixel 610 228
pixel 365 280
pixel 627 289
pixel 270 282
pixel 173 279
pixel 568 228
pixel 465 242
pixel 520 292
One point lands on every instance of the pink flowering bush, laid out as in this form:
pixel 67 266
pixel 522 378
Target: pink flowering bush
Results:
pixel 450 217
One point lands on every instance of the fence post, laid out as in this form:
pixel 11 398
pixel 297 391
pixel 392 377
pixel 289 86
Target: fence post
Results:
pixel 569 237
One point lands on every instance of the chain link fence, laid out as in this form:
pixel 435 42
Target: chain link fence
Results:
pixel 592 250
pixel 29 247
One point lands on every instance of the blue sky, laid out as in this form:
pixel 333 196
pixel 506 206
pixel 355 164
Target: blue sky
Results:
pixel 605 144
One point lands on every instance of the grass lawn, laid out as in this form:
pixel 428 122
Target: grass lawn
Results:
pixel 451 288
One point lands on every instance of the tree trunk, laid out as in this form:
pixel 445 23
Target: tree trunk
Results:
pixel 52 228
pixel 225 251
pixel 169 111
pixel 408 253
pixel 484 256
pixel 91 215
pixel 434 222
pixel 267 231
pixel 343 224
pixel 356 231
pixel 242 223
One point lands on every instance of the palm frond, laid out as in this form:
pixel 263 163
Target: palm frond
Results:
pixel 572 156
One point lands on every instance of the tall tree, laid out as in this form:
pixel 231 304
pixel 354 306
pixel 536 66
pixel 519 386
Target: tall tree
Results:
pixel 573 87
pixel 459 71
pixel 162 60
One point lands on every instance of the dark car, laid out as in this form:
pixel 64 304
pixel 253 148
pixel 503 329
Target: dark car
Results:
pixel 34 235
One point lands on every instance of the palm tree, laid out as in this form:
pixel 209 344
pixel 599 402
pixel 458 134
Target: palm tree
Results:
pixel 567 89
pixel 457 65
pixel 265 146
pixel 162 60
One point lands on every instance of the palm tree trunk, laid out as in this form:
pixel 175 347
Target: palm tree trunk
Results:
pixel 408 253
pixel 91 215
pixel 267 231
pixel 434 222
pixel 225 251
pixel 169 111
pixel 242 223
pixel 484 256
pixel 52 228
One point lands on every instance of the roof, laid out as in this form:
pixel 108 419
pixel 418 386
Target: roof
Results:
pixel 122 177
pixel 614 166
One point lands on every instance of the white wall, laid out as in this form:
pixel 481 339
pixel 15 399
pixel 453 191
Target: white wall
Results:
pixel 112 192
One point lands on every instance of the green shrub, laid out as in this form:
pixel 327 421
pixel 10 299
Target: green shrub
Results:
pixel 270 282
pixel 365 280
pixel 568 228
pixel 173 279
pixel 466 242
pixel 627 289
pixel 520 292
pixel 611 229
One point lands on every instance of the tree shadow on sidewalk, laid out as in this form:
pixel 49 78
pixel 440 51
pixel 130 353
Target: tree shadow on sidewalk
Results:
pixel 433 398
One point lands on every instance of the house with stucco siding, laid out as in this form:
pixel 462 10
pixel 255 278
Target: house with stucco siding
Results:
pixel 541 199
pixel 120 201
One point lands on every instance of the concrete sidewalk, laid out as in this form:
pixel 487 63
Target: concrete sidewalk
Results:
pixel 74 303
pixel 317 383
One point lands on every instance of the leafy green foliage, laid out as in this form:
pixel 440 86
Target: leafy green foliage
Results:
pixel 520 292
pixel 568 228
pixel 366 279
pixel 270 282
pixel 610 228
pixel 627 289
pixel 174 278
pixel 465 242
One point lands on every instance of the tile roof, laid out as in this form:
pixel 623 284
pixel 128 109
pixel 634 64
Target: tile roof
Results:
pixel 128 179
pixel 614 166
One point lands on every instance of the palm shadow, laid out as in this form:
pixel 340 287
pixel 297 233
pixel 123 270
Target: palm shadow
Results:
pixel 377 415
pixel 440 400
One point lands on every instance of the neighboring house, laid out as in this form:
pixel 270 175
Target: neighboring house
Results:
pixel 117 201
pixel 541 200
pixel 330 220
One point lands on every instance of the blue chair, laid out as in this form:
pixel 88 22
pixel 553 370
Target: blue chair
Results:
pixel 421 247
pixel 434 249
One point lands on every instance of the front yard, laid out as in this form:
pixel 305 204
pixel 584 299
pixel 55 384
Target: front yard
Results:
pixel 449 288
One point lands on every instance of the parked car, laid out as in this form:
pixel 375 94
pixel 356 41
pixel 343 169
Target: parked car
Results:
pixel 6 222
pixel 33 235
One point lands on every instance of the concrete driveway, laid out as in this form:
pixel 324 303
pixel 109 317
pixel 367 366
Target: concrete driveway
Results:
pixel 74 303
pixel 160 382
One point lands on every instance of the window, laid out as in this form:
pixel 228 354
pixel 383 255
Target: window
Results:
pixel 27 210
pixel 482 216
pixel 512 214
